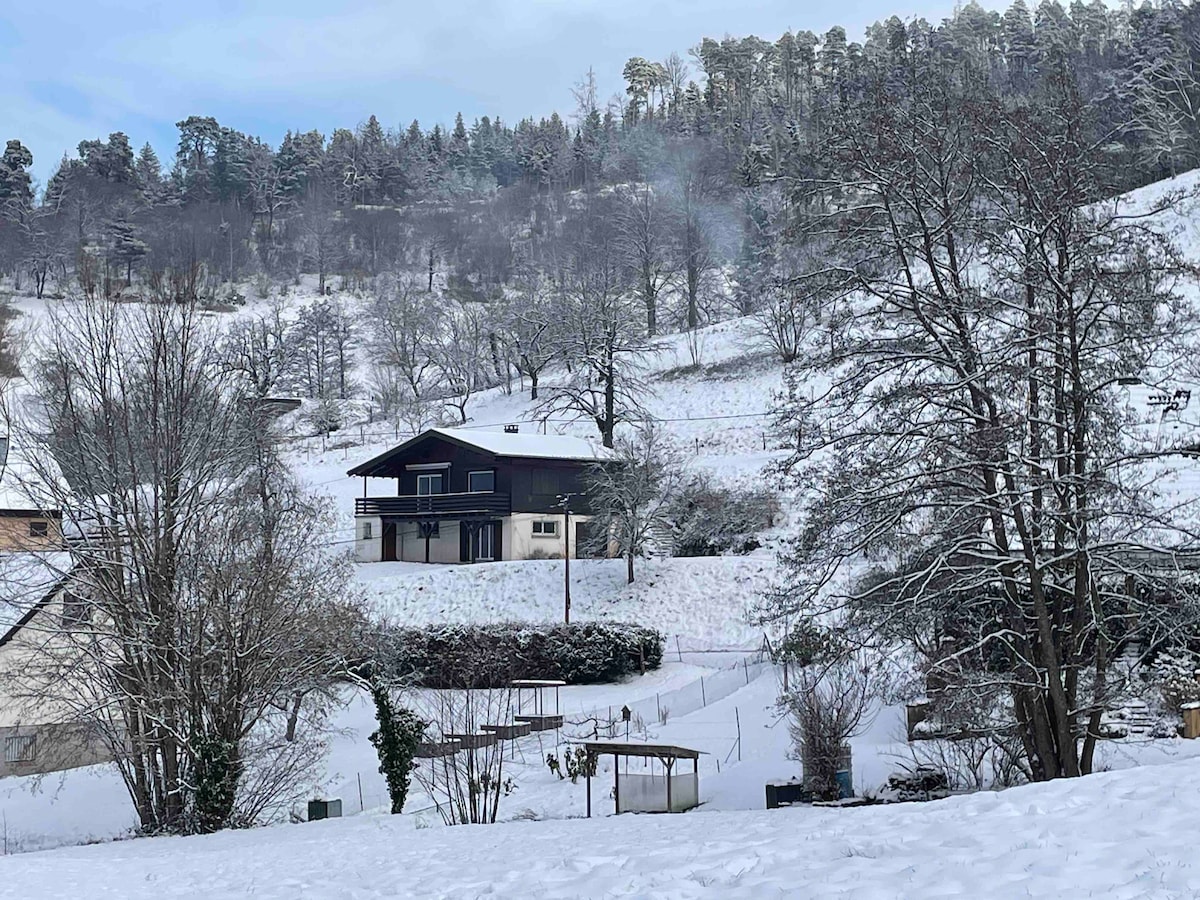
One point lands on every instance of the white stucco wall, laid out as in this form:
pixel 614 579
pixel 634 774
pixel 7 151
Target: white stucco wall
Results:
pixel 368 549
pixel 516 535
pixel 521 543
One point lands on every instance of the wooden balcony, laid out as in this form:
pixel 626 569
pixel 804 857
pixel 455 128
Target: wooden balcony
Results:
pixel 476 503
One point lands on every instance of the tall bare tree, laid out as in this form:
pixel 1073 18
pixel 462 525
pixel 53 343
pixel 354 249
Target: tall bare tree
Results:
pixel 203 601
pixel 964 439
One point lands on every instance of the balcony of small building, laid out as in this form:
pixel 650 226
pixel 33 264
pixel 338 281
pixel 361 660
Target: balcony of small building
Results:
pixel 432 506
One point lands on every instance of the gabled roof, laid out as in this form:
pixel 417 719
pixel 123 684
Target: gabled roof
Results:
pixel 499 444
pixel 28 581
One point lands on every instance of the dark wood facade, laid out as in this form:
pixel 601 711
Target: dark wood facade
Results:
pixel 443 483
pixel 521 484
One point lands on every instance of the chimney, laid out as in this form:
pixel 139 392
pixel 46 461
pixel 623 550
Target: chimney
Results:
pixel 512 429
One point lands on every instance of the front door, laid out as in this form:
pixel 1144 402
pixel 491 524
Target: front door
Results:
pixel 389 542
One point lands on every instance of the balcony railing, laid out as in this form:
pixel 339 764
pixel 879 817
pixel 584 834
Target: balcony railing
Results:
pixel 476 503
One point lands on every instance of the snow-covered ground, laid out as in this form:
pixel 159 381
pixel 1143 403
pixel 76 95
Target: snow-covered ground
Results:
pixel 1118 834
pixel 704 602
pixel 1121 834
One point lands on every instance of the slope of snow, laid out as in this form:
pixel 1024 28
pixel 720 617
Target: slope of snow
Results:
pixel 1122 834
pixel 706 602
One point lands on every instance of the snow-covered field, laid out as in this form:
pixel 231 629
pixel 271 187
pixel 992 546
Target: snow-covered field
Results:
pixel 705 602
pixel 1122 835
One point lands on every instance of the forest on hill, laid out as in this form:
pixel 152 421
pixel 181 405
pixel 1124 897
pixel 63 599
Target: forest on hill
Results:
pixel 727 134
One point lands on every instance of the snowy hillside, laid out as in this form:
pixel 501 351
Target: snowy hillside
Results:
pixel 715 412
pixel 707 602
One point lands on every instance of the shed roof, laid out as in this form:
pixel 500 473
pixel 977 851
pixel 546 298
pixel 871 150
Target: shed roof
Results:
pixel 637 748
pixel 26 474
pixel 498 443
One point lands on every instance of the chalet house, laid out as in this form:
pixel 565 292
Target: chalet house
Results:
pixel 463 495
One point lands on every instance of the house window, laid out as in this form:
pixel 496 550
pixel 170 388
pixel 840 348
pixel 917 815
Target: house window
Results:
pixel 39 529
pixel 481 482
pixel 366 534
pixel 76 610
pixel 429 484
pixel 20 748
pixel 545 528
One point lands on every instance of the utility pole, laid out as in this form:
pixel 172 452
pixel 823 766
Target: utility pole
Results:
pixel 564 500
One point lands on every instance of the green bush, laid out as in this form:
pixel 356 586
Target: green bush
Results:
pixel 482 656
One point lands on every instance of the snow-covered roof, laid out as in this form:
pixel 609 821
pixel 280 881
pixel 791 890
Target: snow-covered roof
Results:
pixel 499 443
pixel 25 478
pixel 26 581
pixel 539 446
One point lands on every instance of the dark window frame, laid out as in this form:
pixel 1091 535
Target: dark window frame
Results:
pixel 474 472
pixel 540 525
pixel 441 483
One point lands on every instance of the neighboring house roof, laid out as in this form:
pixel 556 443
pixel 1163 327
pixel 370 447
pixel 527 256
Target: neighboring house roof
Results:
pixel 24 477
pixel 28 581
pixel 498 443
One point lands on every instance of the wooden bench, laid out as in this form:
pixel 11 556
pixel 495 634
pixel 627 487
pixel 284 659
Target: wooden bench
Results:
pixel 509 732
pixel 541 723
pixel 474 741
pixel 437 749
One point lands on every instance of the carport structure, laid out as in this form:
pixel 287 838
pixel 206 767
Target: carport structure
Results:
pixel 669 792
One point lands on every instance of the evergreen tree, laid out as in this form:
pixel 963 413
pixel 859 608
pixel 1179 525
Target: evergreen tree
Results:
pixel 395 741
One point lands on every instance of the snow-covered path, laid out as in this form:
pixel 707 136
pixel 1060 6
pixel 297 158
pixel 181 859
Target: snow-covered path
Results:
pixel 1123 834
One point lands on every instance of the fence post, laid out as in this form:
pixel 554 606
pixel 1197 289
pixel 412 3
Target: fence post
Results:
pixel 703 699
pixel 678 649
pixel 746 669
pixel 738 719
pixel 658 706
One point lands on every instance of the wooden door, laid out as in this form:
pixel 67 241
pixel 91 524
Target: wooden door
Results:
pixel 389 542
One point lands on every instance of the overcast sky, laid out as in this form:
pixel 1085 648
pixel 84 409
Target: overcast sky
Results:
pixel 77 69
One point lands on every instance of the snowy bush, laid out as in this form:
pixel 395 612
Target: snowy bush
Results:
pixel 709 520
pixel 493 655
pixel 1176 675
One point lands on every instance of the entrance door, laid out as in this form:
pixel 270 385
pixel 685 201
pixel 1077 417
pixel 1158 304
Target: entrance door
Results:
pixel 389 542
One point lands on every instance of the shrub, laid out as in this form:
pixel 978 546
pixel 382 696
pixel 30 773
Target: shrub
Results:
pixel 1176 675
pixel 482 656
pixel 396 739
pixel 709 520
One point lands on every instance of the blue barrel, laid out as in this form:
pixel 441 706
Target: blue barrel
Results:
pixel 845 783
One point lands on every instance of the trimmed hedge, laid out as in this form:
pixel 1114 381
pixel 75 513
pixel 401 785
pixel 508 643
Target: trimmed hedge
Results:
pixel 483 656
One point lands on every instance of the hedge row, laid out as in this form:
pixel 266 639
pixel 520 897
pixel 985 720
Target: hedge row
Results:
pixel 480 656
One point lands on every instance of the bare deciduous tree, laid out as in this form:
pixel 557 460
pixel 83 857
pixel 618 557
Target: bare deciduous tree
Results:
pixel 203 601
pixel 632 491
